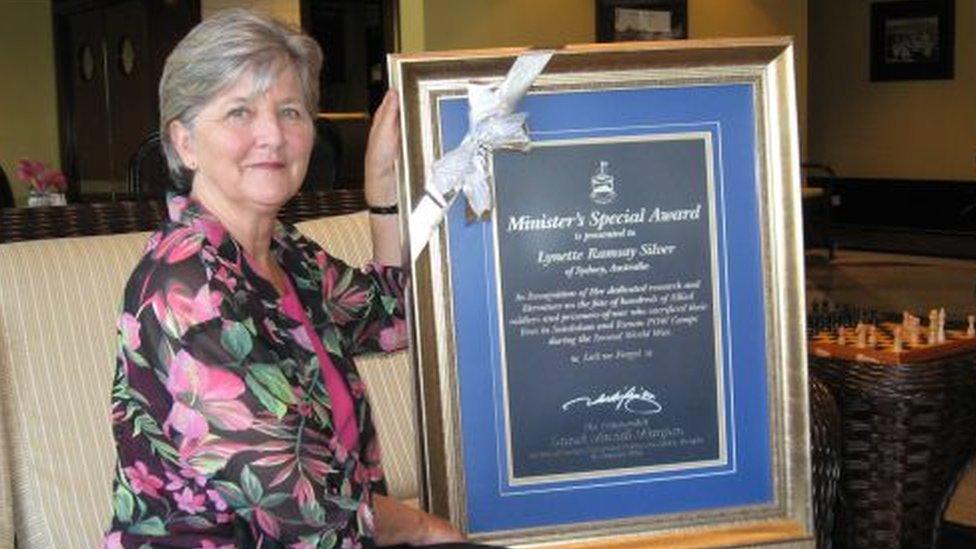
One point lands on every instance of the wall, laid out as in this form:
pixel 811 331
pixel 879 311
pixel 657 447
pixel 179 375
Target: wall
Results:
pixel 412 25
pixel 286 10
pixel 449 24
pixel 741 18
pixel 28 96
pixel 909 129
pixel 428 25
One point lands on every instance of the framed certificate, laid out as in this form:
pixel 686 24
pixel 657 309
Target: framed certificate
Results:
pixel 614 354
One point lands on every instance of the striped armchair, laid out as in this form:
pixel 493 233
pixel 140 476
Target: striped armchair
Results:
pixel 56 448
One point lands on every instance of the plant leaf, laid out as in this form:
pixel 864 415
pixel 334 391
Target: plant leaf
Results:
pixel 331 340
pixel 236 339
pixel 124 504
pixel 348 504
pixel 150 527
pixel 266 399
pixel 251 484
pixel 231 493
pixel 271 377
pixel 389 304
pixel 274 500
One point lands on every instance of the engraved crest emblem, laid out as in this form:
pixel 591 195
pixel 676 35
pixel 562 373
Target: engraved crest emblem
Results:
pixel 601 185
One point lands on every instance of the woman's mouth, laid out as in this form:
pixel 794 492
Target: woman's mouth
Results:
pixel 269 165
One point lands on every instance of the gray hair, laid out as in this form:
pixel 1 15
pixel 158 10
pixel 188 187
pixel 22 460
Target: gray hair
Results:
pixel 214 55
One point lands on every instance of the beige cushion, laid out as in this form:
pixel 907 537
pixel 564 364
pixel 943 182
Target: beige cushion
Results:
pixel 58 304
pixel 6 498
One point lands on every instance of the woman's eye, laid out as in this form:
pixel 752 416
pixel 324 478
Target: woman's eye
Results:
pixel 239 113
pixel 292 113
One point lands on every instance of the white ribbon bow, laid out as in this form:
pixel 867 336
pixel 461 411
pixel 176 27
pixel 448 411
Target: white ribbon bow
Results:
pixel 491 125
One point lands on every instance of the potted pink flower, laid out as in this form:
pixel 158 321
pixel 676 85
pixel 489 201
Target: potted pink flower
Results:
pixel 46 186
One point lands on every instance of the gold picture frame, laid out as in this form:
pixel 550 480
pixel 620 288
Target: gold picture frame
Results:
pixel 488 463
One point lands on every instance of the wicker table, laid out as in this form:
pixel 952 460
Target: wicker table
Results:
pixel 98 218
pixel 907 432
pixel 824 459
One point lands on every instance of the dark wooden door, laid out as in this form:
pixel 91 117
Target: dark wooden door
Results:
pixel 110 56
pixel 132 104
pixel 83 66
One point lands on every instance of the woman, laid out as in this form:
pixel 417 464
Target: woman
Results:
pixel 239 418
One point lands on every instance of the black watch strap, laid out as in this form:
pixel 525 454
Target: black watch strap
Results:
pixel 384 210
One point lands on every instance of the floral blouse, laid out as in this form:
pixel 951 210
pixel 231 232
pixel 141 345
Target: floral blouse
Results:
pixel 221 416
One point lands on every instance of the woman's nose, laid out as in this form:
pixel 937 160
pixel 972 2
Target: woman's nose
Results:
pixel 268 130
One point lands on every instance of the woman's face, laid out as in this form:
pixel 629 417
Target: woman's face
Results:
pixel 250 150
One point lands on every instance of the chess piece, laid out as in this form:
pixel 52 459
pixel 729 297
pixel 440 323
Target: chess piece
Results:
pixel 897 343
pixel 971 330
pixel 862 335
pixel 914 327
pixel 933 326
pixel 872 336
pixel 940 335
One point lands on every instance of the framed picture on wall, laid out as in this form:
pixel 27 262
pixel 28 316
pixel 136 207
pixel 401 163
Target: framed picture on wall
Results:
pixel 628 20
pixel 912 40
pixel 614 352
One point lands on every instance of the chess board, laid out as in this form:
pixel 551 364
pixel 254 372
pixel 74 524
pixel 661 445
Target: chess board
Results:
pixel 826 344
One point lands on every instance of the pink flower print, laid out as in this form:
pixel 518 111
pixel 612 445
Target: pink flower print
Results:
pixel 179 245
pixel 129 326
pixel 211 229
pixel 300 335
pixel 190 502
pixel 365 473
pixel 190 473
pixel 217 499
pixel 357 388
pixel 224 518
pixel 204 395
pixel 339 451
pixel 200 459
pixel 365 514
pixel 304 544
pixel 113 541
pixel 394 338
pixel 142 481
pixel 207 544
pixel 189 309
pixel 223 276
pixel 175 483
pixel 341 297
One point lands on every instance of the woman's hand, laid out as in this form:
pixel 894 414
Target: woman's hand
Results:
pixel 398 523
pixel 438 530
pixel 382 150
